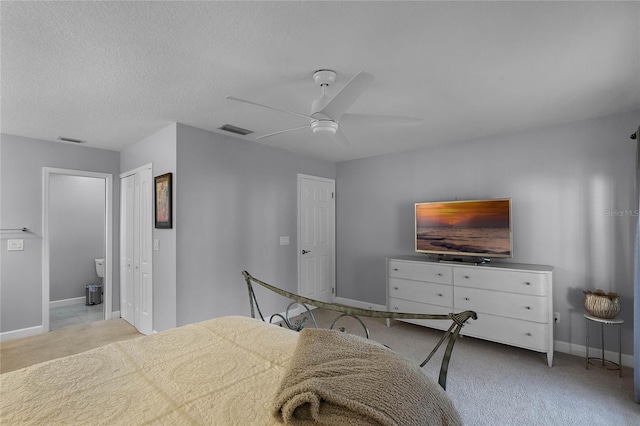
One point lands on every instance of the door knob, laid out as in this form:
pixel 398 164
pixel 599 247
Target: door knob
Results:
pixel 306 251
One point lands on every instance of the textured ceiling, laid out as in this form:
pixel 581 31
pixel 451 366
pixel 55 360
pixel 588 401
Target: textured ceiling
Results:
pixel 113 73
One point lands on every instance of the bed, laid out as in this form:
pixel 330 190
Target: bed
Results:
pixel 233 371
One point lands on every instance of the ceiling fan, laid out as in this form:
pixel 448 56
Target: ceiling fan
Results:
pixel 328 113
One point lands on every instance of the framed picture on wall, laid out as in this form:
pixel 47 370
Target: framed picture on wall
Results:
pixel 163 201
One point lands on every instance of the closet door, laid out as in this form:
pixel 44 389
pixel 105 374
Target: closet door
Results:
pixel 127 229
pixel 136 245
pixel 144 253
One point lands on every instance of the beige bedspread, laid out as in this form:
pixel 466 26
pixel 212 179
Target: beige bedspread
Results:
pixel 225 371
pixel 220 372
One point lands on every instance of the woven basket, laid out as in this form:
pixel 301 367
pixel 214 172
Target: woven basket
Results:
pixel 604 306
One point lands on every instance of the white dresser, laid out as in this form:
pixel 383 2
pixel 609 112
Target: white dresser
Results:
pixel 514 301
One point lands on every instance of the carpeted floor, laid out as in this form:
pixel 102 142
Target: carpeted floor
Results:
pixel 20 353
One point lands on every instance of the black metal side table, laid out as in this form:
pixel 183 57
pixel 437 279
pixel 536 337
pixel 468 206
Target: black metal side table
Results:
pixel 603 321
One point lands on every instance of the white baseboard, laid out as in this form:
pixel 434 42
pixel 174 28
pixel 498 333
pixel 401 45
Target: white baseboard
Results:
pixel 360 304
pixel 292 313
pixel 23 332
pixel 67 302
pixel 34 331
pixel 559 346
pixel 341 300
pixel 581 351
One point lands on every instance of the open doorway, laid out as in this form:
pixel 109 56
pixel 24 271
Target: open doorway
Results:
pixel 76 247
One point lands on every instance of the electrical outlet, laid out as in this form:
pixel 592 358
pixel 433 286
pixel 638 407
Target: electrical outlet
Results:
pixel 556 317
pixel 15 245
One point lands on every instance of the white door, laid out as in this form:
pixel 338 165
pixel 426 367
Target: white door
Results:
pixel 316 237
pixel 144 253
pixel 127 204
pixel 136 244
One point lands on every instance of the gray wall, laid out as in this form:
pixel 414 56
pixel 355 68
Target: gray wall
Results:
pixel 236 198
pixel 570 187
pixel 233 199
pixel 21 163
pixel 159 149
pixel 76 233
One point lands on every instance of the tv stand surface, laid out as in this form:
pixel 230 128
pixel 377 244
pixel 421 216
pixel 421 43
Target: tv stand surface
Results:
pixel 514 301
pixel 464 261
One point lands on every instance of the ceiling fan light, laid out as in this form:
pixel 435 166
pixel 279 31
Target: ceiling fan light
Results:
pixel 326 127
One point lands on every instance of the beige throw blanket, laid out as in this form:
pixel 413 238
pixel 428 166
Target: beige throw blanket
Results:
pixel 340 379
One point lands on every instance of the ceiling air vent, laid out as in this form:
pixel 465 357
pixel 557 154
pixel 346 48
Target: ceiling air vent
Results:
pixel 63 139
pixel 234 129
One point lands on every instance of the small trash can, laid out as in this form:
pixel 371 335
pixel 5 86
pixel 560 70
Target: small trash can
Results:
pixel 94 294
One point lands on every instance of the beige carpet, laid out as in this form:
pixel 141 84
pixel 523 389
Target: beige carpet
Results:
pixel 20 353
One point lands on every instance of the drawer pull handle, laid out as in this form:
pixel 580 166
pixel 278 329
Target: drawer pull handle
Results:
pixel 527 307
pixel 439 274
pixel 396 308
pixel 440 294
pixel 466 277
pixel 527 283
pixel 395 269
pixel 528 334
pixel 466 298
pixel 395 288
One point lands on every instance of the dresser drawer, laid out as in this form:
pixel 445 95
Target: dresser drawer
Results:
pixel 524 334
pixel 501 280
pixel 421 271
pixel 420 291
pixel 512 305
pixel 407 306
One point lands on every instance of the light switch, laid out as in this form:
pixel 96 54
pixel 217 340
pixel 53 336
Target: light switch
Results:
pixel 156 244
pixel 15 245
pixel 284 241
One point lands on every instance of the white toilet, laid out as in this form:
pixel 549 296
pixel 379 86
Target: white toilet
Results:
pixel 94 291
pixel 100 268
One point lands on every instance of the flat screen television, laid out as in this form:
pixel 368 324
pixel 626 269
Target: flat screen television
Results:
pixel 471 228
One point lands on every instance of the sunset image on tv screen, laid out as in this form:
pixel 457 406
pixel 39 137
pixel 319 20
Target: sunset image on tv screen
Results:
pixel 464 227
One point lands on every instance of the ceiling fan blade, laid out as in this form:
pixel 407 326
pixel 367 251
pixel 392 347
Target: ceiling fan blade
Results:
pixel 339 104
pixel 341 139
pixel 379 120
pixel 232 98
pixel 283 131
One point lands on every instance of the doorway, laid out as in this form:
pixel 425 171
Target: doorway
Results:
pixel 316 238
pixel 60 235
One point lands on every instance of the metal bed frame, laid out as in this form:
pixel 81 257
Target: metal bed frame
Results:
pixel 458 320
